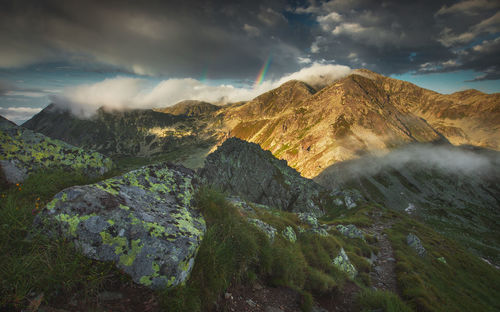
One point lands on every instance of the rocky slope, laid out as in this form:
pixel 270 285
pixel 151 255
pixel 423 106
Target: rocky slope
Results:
pixel 143 133
pixel 23 151
pixel 455 190
pixel 244 169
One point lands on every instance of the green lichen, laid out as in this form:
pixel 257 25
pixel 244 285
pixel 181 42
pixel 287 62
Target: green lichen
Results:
pixel 72 222
pixel 289 234
pixel 147 280
pixel 154 228
pixel 185 222
pixel 127 252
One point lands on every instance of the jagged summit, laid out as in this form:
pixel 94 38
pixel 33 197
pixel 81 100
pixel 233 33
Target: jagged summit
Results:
pixel 243 168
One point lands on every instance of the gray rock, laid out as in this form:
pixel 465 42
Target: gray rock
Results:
pixel 269 230
pixel 289 234
pixel 244 169
pixel 13 171
pixel 23 151
pixel 143 221
pixel 350 231
pixel 414 242
pixel 343 263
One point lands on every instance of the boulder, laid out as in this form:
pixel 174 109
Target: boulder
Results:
pixel 350 231
pixel 246 170
pixel 414 242
pixel 23 151
pixel 269 230
pixel 143 221
pixel 343 263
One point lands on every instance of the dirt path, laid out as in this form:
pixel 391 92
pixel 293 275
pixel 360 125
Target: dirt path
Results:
pixel 384 274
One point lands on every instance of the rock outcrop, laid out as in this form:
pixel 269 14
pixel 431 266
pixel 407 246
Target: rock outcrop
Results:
pixel 414 242
pixel 143 221
pixel 23 151
pixel 244 169
pixel 350 231
pixel 343 263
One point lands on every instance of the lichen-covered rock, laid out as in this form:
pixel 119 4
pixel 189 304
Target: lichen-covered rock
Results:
pixel 343 263
pixel 269 230
pixel 23 151
pixel 312 221
pixel 350 231
pixel 289 234
pixel 240 204
pixel 414 242
pixel 143 221
pixel 244 169
pixel 308 218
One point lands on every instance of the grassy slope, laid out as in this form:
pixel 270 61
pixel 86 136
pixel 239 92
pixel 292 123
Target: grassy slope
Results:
pixel 234 251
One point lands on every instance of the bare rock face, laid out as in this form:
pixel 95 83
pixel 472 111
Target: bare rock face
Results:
pixel 23 151
pixel 244 169
pixel 143 221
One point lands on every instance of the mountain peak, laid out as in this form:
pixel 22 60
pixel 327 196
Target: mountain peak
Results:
pixel 189 108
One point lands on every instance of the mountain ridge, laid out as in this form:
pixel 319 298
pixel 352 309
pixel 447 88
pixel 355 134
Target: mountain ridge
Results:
pixel 361 113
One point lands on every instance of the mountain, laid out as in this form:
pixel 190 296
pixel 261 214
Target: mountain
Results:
pixel 464 117
pixel 312 129
pixel 455 190
pixel 189 108
pixel 142 133
pixel 360 113
pixel 396 217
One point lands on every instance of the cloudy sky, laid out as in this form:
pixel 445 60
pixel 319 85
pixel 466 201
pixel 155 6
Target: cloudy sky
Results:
pixel 154 53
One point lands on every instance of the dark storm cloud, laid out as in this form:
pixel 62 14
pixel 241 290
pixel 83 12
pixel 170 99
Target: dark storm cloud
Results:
pixel 233 39
pixel 181 38
pixel 396 36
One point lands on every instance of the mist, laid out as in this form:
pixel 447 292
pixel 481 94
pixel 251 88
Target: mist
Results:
pixel 136 93
pixel 447 158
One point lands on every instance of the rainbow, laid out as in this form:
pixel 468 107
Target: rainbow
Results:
pixel 262 72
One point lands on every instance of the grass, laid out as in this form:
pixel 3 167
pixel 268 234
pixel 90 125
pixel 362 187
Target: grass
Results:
pixel 234 251
pixel 38 264
pixel 370 300
pixel 463 283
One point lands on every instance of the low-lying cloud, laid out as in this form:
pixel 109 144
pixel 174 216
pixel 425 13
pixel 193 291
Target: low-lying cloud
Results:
pixel 129 93
pixel 450 159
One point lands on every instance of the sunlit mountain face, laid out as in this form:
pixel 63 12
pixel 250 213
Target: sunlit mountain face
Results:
pixel 123 54
pixel 288 155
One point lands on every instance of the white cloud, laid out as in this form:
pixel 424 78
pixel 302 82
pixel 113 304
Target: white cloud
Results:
pixel 327 22
pixel 252 31
pixel 304 60
pixel 318 75
pixel 125 92
pixel 18 114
